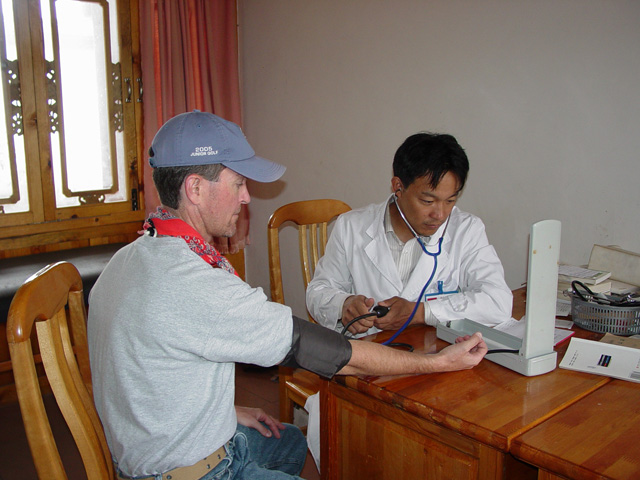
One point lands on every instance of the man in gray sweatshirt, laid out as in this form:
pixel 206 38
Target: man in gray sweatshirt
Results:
pixel 169 318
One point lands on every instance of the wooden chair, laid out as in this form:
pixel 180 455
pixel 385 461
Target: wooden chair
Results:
pixel 311 217
pixel 52 300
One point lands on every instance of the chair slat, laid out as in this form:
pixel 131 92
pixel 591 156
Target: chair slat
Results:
pixel 36 422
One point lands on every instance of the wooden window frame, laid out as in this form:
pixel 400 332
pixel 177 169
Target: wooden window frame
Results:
pixel 46 227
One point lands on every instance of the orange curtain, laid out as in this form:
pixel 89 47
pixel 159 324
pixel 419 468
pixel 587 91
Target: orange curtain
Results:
pixel 189 60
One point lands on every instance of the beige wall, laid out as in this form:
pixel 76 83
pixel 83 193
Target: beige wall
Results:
pixel 544 96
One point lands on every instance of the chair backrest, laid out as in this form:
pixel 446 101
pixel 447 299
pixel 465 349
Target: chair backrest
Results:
pixel 52 300
pixel 312 218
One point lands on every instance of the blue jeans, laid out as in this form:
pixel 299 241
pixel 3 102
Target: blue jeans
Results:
pixel 252 456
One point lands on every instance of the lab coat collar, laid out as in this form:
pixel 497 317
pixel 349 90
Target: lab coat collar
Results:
pixel 377 248
pixel 377 252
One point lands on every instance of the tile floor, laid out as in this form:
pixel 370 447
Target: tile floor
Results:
pixel 255 387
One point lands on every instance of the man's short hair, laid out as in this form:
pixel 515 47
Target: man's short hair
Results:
pixel 169 180
pixel 430 155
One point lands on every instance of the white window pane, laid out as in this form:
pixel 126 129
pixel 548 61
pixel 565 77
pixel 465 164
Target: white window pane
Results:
pixel 121 194
pixel 90 160
pixel 9 30
pixel 22 205
pixel 13 180
pixel 115 34
pixel 45 14
pixel 83 79
pixel 61 199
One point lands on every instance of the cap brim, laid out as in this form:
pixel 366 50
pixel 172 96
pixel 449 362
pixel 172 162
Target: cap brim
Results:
pixel 257 168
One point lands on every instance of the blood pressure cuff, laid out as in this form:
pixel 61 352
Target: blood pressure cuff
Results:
pixel 317 349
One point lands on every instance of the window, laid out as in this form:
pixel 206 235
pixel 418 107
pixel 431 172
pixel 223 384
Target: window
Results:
pixel 71 95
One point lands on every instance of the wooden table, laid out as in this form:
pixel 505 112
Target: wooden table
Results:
pixel 447 425
pixel 596 437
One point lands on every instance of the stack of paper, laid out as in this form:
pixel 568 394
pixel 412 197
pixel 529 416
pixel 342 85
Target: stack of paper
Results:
pixel 568 273
pixel 595 280
pixel 623 264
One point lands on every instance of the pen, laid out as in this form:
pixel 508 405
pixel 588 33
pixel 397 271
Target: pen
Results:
pixel 433 296
pixel 440 292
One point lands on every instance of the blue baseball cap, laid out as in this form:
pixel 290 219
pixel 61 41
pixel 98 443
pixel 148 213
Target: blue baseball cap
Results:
pixel 201 138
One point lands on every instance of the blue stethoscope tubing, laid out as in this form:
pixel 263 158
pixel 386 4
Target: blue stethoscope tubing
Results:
pixel 433 271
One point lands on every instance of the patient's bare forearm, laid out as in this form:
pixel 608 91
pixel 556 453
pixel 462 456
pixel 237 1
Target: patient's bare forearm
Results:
pixel 373 359
pixel 370 358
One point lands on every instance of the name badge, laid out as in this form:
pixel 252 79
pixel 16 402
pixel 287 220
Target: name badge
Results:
pixel 440 293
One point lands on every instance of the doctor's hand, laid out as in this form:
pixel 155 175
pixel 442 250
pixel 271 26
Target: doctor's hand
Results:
pixel 399 311
pixel 353 307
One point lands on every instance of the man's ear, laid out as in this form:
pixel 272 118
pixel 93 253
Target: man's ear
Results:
pixel 396 186
pixel 192 188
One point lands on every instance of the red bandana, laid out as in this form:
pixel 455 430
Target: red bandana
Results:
pixel 164 223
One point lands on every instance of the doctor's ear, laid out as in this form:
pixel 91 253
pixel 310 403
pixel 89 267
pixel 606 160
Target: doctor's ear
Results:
pixel 396 185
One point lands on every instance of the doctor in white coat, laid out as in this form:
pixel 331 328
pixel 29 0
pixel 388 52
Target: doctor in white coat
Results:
pixel 375 256
pixel 386 253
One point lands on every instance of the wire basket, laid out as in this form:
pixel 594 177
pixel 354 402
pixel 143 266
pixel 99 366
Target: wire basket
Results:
pixel 591 316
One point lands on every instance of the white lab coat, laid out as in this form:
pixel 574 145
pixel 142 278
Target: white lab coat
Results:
pixel 357 260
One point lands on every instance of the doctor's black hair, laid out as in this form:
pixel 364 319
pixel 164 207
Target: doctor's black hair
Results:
pixel 430 155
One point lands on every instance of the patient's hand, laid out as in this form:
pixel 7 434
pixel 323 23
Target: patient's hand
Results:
pixel 257 418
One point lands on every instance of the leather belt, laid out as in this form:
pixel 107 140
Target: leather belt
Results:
pixel 192 472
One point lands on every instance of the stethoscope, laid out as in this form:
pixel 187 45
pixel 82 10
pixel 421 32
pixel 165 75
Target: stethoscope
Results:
pixel 380 311
pixel 433 271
